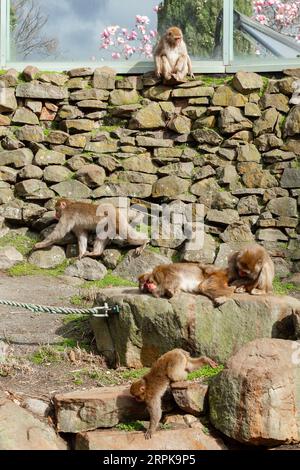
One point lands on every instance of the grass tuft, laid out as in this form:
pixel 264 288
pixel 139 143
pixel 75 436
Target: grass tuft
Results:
pixel 27 269
pixel 205 372
pixel 109 281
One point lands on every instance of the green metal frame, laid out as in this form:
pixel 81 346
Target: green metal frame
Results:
pixel 229 64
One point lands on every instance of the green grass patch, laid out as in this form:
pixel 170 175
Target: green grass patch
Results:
pixel 264 88
pixel 108 128
pixel 3 72
pixel 205 372
pixel 131 427
pixel 283 288
pixel 134 374
pixel 77 378
pixel 46 355
pixel 109 281
pixel 209 80
pixel 27 269
pixel 119 78
pixel 176 258
pixel 22 243
pixel 75 317
pixel 78 301
pixel 153 249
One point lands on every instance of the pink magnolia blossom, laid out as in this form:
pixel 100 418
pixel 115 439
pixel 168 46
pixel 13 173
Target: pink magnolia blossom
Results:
pixel 142 19
pixel 137 40
pixel 281 16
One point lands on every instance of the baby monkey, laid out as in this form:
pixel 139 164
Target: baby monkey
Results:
pixel 171 57
pixel 251 270
pixel 172 366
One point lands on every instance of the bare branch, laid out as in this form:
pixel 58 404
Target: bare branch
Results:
pixel 27 29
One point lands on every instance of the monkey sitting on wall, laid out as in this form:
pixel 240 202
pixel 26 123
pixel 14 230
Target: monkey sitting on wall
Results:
pixel 171 57
pixel 169 279
pixel 251 270
pixel 172 366
pixel 82 217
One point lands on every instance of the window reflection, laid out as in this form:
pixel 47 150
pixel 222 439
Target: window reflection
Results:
pixel 70 30
pixel 102 30
pixel 267 28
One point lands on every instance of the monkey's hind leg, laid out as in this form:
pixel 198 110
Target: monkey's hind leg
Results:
pixel 181 69
pixel 219 295
pixel 99 247
pixel 166 68
pixel 82 237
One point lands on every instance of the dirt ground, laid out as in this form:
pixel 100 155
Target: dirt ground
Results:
pixel 43 352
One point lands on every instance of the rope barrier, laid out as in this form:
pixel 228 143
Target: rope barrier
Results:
pixel 94 311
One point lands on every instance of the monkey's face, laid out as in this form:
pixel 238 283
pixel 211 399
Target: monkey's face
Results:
pixel 138 390
pixel 146 283
pixel 174 36
pixel 59 207
pixel 248 265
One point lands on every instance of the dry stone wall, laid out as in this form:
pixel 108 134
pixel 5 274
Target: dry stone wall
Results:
pixel 233 147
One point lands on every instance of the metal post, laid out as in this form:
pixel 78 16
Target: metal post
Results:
pixel 228 32
pixel 3 30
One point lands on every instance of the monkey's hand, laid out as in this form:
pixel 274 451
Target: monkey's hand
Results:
pixel 257 292
pixel 220 300
pixel 210 362
pixel 192 75
pixel 148 434
pixel 39 246
pixel 240 290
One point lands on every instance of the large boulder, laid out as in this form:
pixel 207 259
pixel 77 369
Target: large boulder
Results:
pixel 147 327
pixel 256 398
pixel 132 266
pixel 20 430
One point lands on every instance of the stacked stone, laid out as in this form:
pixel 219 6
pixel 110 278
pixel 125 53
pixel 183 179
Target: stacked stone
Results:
pixel 91 135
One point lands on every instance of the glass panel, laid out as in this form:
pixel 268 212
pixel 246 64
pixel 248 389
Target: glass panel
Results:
pixel 199 21
pixel 71 30
pixel 102 30
pixel 266 29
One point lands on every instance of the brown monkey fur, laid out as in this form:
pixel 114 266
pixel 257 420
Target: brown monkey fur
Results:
pixel 172 366
pixel 171 57
pixel 82 218
pixel 251 270
pixel 169 279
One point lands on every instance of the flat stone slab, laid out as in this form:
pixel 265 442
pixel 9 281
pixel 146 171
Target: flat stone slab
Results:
pixel 147 327
pixel 177 439
pixel 97 408
pixel 102 407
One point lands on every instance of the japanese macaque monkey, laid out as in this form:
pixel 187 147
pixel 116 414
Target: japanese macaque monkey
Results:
pixel 169 279
pixel 172 366
pixel 171 57
pixel 81 218
pixel 251 270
